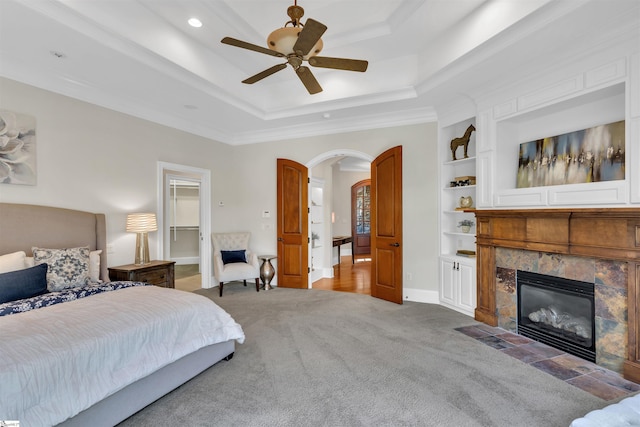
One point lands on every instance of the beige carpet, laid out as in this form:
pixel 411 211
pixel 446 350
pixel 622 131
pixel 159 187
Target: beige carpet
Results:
pixel 322 358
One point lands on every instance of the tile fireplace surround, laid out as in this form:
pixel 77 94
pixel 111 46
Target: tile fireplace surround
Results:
pixel 610 278
pixel 600 246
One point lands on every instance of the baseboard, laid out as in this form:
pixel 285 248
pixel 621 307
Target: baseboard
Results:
pixel 458 309
pixel 420 295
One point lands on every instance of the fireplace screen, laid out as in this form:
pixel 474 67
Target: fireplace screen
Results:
pixel 558 312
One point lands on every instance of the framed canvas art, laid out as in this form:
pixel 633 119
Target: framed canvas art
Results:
pixel 17 148
pixel 589 155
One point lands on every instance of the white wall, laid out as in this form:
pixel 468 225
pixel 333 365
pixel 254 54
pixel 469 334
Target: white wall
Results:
pixel 256 186
pixel 95 159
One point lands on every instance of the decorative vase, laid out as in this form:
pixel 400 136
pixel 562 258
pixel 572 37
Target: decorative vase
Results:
pixel 465 228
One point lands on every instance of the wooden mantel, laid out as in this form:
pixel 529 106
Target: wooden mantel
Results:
pixel 596 233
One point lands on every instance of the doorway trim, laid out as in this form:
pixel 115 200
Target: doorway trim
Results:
pixel 165 171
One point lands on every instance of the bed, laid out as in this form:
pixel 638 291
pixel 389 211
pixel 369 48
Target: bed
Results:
pixel 102 354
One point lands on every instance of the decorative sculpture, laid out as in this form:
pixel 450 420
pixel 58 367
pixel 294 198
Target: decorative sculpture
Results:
pixel 463 140
pixel 466 202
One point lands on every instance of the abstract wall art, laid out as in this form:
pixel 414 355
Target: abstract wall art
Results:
pixel 589 155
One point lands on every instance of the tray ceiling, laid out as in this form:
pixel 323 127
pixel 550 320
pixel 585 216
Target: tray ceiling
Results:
pixel 141 57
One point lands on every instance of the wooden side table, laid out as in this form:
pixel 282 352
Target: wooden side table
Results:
pixel 159 273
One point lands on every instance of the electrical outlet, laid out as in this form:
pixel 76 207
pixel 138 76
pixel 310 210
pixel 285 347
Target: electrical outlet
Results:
pixel 409 277
pixel 110 248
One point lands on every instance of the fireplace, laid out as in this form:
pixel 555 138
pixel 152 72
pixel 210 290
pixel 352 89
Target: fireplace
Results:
pixel 596 245
pixel 558 312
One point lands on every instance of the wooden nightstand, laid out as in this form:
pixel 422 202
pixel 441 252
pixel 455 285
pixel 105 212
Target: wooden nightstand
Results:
pixel 159 273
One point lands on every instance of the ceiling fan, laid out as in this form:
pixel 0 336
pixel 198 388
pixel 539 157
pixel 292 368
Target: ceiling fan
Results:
pixel 298 43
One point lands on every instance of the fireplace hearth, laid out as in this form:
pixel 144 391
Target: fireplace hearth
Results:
pixel 558 312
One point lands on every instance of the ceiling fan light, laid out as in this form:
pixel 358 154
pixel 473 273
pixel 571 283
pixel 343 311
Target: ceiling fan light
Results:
pixel 283 39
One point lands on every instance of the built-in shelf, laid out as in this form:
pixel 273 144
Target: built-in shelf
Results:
pixel 460 233
pixel 317 228
pixel 457 272
pixel 470 159
pixel 462 187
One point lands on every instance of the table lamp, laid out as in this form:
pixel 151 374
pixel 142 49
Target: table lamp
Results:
pixel 142 224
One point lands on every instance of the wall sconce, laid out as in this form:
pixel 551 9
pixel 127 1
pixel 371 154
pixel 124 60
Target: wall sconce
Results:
pixel 142 224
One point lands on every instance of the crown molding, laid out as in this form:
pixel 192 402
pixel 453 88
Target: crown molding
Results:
pixel 353 124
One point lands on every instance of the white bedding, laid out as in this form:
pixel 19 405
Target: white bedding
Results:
pixel 57 361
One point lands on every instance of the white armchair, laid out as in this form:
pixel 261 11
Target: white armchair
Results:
pixel 233 260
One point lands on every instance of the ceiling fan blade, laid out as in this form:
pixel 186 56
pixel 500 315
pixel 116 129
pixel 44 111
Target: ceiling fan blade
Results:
pixel 309 36
pixel 339 63
pixel 265 73
pixel 250 46
pixel 308 80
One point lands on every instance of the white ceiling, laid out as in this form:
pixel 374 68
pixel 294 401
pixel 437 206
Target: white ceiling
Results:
pixel 141 57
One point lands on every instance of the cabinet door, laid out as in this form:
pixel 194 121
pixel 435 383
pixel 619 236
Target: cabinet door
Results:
pixel 448 278
pixel 467 287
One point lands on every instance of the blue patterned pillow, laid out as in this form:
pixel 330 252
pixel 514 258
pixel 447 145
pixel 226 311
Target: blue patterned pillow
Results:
pixel 21 284
pixel 233 256
pixel 68 268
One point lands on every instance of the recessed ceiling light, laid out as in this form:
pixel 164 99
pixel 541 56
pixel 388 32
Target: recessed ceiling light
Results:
pixel 327 115
pixel 195 22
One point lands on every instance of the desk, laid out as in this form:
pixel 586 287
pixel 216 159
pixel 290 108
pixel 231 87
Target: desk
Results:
pixel 341 240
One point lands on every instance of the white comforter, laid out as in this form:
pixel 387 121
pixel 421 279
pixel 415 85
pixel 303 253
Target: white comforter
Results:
pixel 57 361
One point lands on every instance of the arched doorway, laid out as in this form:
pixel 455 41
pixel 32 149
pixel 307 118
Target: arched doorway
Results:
pixel 386 224
pixel 335 172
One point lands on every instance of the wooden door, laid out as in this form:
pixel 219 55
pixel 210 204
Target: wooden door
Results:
pixel 361 217
pixel 293 227
pixel 386 226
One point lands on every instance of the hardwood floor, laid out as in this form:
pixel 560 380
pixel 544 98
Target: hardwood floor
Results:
pixel 348 277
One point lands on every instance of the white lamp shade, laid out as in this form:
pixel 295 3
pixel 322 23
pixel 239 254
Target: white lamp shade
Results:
pixel 141 222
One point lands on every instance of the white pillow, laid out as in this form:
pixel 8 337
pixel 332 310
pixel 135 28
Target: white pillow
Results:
pixel 94 265
pixel 12 262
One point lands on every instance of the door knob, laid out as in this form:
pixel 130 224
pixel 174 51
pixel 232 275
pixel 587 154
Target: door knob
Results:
pixel 280 239
pixel 396 244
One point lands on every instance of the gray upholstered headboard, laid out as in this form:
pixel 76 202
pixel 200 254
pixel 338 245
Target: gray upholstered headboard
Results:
pixel 25 226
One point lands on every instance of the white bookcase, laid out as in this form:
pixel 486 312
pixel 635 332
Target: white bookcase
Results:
pixel 457 181
pixel 316 229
